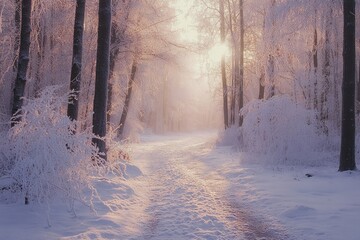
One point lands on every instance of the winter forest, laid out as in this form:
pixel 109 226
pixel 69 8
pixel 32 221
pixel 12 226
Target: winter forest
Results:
pixel 179 119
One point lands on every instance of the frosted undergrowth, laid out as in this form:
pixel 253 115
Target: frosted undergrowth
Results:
pixel 281 129
pixel 44 157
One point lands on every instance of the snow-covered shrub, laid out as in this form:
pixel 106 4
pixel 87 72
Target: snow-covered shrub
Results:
pixel 48 160
pixel 230 137
pixel 281 128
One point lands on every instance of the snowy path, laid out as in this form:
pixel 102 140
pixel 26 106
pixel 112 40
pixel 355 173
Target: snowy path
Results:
pixel 189 200
pixel 189 189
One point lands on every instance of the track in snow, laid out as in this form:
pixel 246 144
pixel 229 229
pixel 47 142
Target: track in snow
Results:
pixel 189 201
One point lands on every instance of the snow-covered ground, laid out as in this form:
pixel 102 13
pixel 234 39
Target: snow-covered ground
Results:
pixel 184 186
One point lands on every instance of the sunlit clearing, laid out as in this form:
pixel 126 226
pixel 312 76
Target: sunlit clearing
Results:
pixel 218 51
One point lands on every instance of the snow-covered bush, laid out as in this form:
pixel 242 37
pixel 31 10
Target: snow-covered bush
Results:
pixel 48 160
pixel 230 137
pixel 281 128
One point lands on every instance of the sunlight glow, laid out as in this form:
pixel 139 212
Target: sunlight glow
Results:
pixel 218 51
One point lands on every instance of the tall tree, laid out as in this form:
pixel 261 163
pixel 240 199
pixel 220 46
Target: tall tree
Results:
pixel 75 79
pixel 241 59
pixel 17 33
pixel 234 63
pixel 117 40
pixel 326 72
pixel 127 98
pixel 102 75
pixel 23 61
pixel 315 62
pixel 262 67
pixel 223 70
pixel 347 153
pixel 271 57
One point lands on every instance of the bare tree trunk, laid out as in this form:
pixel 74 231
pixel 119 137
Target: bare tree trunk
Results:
pixel 271 75
pixel 347 153
pixel 241 61
pixel 23 61
pixel 102 75
pixel 76 65
pixel 40 31
pixel 358 88
pixel 315 63
pixel 233 94
pixel 127 99
pixel 88 93
pixel 234 64
pixel 271 57
pixel 223 70
pixel 324 104
pixel 17 33
pixel 262 71
pixel 261 85
pixel 114 52
pixel 117 37
pixel 52 44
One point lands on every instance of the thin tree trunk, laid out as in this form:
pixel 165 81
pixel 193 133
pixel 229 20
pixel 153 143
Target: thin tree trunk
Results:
pixel 102 75
pixel 261 85
pixel 40 49
pixel 241 61
pixel 223 70
pixel 88 92
pixel 234 65
pixel 233 94
pixel 17 33
pixel 315 62
pixel 127 99
pixel 358 88
pixel 262 71
pixel 271 75
pixel 114 52
pixel 271 57
pixel 52 44
pixel 76 65
pixel 23 61
pixel 347 153
pixel 326 72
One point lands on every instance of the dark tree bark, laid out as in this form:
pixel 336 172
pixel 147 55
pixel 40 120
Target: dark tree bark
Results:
pixel 127 99
pixel 223 70
pixel 76 65
pixel 315 63
pixel 23 61
pixel 271 75
pixel 358 88
pixel 261 85
pixel 347 153
pixel 102 75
